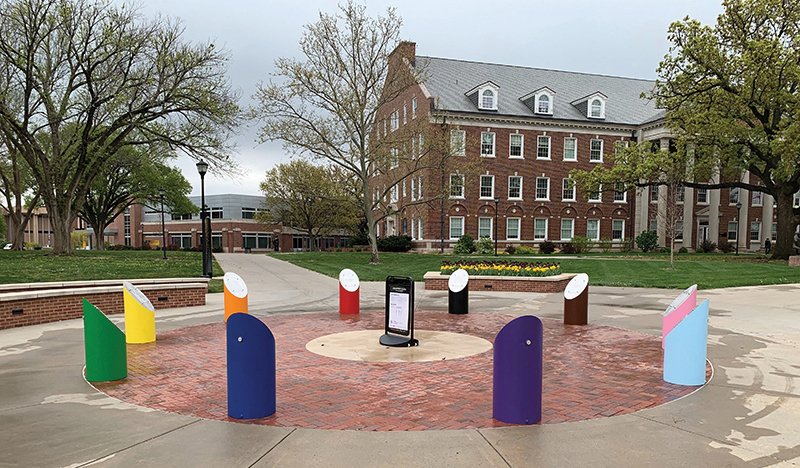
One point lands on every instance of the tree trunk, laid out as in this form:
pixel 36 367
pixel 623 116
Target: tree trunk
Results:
pixel 672 252
pixel 367 207
pixel 16 231
pixel 61 224
pixel 99 238
pixel 787 222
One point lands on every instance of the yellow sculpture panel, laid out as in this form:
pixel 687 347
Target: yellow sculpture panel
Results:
pixel 140 316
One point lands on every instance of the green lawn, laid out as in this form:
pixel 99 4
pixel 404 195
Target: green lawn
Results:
pixel 34 266
pixel 708 271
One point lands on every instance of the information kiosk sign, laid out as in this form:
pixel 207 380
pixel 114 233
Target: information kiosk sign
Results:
pixel 399 326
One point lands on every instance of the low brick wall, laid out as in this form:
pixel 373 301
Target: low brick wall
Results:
pixel 436 281
pixel 31 306
pixel 794 260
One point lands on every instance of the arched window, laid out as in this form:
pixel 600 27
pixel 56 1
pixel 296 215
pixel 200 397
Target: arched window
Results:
pixel 597 108
pixel 487 99
pixel 544 104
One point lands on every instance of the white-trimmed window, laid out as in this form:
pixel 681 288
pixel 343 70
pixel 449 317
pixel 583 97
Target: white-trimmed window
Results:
pixel 653 193
pixel 680 194
pixel 515 187
pixel 733 229
pixel 485 227
pixel 404 188
pixel 617 229
pixel 567 229
pixel 734 196
pixel 596 151
pixel 419 228
pixel 544 104
pixel 654 225
pixel 597 196
pixel 456 185
pixel 568 190
pixel 619 192
pixel 512 228
pixel 515 145
pixel 487 186
pixel 570 149
pixel 774 234
pixel 394 194
pixel 540 229
pixel 419 188
pixel 542 147
pixel 405 114
pixel 414 108
pixel 757 198
pixel 702 196
pixel 593 229
pixel 488 99
pixel 421 145
pixel 413 228
pixel 755 231
pixel 395 124
pixel 596 108
pixel 413 189
pixel 487 144
pixel 542 188
pixel 456 227
pixel 458 140
pixel 679 230
pixel 796 202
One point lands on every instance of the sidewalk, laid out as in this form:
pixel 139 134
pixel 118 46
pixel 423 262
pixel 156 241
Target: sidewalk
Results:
pixel 746 416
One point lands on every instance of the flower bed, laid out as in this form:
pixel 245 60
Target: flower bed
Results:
pixel 502 268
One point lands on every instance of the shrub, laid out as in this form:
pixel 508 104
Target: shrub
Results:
pixel 547 247
pixel 174 247
pixel 465 245
pixel 525 250
pixel 647 241
pixel 146 245
pixel 582 244
pixel 485 246
pixel 216 248
pixel 726 247
pixel 511 249
pixel 664 250
pixel 626 245
pixel 394 244
pixel 358 239
pixel 568 248
pixel 683 250
pixel 707 247
pixel 605 244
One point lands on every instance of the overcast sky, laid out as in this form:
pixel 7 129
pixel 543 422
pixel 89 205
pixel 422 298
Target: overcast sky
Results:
pixel 611 37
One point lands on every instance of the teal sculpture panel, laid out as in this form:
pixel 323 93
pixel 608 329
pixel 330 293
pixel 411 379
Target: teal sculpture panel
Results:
pixel 685 349
pixel 106 352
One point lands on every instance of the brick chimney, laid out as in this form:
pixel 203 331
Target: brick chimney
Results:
pixel 405 50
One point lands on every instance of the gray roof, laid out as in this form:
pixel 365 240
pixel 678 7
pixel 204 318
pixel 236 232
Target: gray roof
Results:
pixel 448 80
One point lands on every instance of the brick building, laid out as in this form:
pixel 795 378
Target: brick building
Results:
pixel 514 134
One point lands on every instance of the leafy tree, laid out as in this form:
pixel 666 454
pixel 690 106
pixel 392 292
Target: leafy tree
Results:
pixel 315 199
pixel 732 97
pixel 20 197
pixel 647 241
pixel 328 107
pixel 129 176
pixel 80 80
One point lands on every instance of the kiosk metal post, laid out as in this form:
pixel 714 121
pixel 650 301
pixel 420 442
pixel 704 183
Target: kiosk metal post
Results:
pixel 399 327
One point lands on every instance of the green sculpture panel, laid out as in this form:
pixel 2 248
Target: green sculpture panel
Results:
pixel 106 352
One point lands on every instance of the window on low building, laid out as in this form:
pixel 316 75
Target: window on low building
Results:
pixel 419 228
pixel 216 212
pixel 456 186
pixel 755 231
pixel 512 228
pixel 540 229
pixel 679 230
pixel 542 188
pixel 568 190
pixel 543 104
pixel 414 108
pixel 593 229
pixel 596 108
pixel 734 196
pixel 597 197
pixel 733 229
pixel 702 196
pixel 654 225
pixel 596 151
pixel 515 188
pixel 757 198
pixel 619 192
pixel 456 227
pixel 181 217
pixel 457 142
pixel 653 193
pixel 248 213
pixel 182 240
pixel 395 121
pixel 488 99
pixel 216 240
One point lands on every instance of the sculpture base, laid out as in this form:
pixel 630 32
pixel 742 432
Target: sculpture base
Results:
pixel 397 341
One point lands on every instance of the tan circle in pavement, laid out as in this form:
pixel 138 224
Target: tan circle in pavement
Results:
pixel 363 345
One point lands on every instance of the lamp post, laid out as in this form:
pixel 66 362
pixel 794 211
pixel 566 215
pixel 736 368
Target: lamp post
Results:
pixel 496 201
pixel 738 224
pixel 205 241
pixel 163 231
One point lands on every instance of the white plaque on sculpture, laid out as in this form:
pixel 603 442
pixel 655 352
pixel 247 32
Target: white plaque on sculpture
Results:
pixel 349 280
pixel 137 294
pixel 576 286
pixel 235 284
pixel 458 280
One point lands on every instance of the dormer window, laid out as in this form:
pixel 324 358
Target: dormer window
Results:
pixel 487 99
pixel 543 105
pixel 484 96
pixel 596 108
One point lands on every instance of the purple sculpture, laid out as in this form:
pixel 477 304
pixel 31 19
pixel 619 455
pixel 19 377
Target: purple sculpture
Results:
pixel 517 391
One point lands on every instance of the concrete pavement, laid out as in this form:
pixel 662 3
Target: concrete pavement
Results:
pixel 748 415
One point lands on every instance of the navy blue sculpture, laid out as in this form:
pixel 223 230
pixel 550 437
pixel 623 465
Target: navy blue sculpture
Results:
pixel 251 368
pixel 517 390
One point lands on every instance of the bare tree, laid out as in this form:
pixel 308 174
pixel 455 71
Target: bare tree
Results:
pixel 82 80
pixel 15 182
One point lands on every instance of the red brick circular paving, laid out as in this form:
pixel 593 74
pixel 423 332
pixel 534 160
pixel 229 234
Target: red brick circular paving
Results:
pixel 589 372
